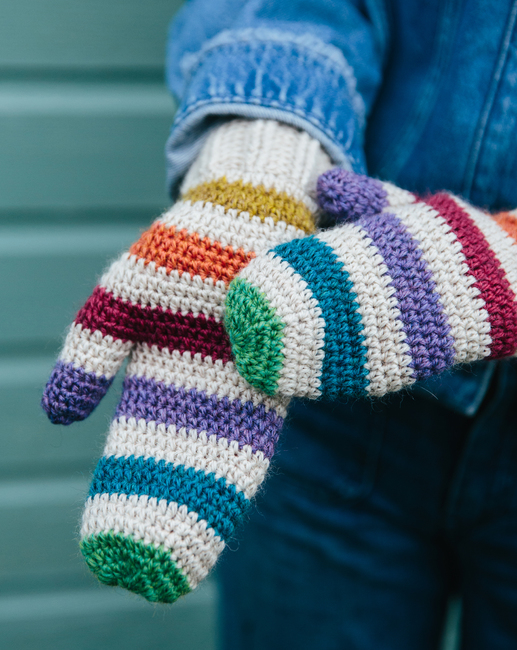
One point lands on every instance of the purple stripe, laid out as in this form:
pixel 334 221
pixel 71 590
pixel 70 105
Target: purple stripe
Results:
pixel 424 320
pixel 231 419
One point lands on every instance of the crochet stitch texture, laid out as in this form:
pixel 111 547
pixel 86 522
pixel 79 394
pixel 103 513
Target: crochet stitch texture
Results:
pixel 191 440
pixel 388 298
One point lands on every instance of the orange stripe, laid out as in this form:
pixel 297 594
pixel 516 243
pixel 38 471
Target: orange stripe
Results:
pixel 508 222
pixel 187 253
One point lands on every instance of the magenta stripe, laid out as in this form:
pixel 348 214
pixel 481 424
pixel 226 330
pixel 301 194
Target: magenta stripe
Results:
pixel 421 312
pixel 486 269
pixel 231 419
pixel 154 326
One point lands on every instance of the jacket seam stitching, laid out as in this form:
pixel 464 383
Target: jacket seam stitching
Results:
pixel 481 127
pixel 259 101
pixel 191 62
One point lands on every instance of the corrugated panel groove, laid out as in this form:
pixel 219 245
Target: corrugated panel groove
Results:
pixel 84 116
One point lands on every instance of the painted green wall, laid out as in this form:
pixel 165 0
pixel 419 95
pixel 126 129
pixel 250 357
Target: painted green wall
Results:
pixel 84 116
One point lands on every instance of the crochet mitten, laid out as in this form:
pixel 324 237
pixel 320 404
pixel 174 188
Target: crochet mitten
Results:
pixel 191 440
pixel 404 289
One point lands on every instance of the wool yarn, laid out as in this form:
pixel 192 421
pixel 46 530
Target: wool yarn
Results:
pixel 347 196
pixel 191 440
pixel 374 305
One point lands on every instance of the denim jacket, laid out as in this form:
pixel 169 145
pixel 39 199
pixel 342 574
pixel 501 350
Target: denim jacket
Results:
pixel 419 92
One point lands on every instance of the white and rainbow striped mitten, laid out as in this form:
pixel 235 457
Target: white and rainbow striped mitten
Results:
pixel 191 440
pixel 403 290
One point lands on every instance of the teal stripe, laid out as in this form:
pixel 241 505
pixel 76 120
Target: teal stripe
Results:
pixel 343 371
pixel 214 500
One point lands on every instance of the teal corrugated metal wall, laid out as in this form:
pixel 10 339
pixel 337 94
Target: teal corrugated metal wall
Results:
pixel 84 116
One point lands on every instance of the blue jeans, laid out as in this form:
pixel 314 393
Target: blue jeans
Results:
pixel 373 515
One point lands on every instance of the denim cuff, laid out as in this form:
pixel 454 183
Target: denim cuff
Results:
pixel 268 74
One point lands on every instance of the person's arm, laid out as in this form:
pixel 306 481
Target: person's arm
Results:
pixel 312 64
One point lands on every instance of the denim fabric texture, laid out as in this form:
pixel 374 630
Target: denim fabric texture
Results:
pixel 315 65
pixel 374 515
pixel 419 93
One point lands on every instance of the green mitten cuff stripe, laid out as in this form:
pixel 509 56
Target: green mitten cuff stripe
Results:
pixel 255 334
pixel 119 560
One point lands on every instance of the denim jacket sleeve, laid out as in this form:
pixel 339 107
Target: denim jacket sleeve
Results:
pixel 315 64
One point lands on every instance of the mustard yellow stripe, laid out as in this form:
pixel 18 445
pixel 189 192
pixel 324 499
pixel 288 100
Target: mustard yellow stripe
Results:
pixel 258 201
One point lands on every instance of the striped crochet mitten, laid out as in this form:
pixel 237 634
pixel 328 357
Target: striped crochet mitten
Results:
pixel 191 440
pixel 404 289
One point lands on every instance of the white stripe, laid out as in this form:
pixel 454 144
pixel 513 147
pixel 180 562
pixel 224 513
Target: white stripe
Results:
pixel 203 374
pixel 229 227
pixel 443 253
pixel 387 353
pixel 264 153
pixel 131 279
pixel 194 546
pixel 304 328
pixel 396 196
pixel 93 352
pixel 501 243
pixel 240 467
